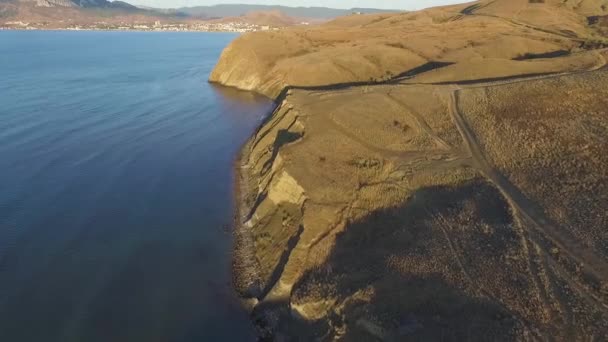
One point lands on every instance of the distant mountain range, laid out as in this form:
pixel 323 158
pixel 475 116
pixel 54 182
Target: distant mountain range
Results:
pixel 76 3
pixel 84 11
pixel 221 11
pixel 58 13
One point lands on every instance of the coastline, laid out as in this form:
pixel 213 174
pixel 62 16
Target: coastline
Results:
pixel 245 267
pixel 260 293
pixel 243 261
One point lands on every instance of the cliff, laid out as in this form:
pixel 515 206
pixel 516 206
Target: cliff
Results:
pixel 430 174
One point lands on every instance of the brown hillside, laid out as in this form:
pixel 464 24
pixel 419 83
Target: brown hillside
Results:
pixel 272 19
pixel 377 47
pixel 428 176
pixel 416 212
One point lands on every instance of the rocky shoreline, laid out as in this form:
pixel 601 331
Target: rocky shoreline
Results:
pixel 245 267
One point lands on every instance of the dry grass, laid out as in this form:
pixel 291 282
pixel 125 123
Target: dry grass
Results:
pixel 549 138
pixel 318 142
pixel 373 220
pixel 480 69
pixel 377 47
pixel 399 237
pixel 428 264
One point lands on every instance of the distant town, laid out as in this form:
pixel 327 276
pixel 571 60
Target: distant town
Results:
pixel 157 26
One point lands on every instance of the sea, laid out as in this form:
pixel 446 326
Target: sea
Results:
pixel 116 187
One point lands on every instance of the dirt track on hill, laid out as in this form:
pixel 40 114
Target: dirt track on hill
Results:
pixel 529 213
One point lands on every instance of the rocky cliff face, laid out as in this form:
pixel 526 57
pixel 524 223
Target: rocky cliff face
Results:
pixel 412 184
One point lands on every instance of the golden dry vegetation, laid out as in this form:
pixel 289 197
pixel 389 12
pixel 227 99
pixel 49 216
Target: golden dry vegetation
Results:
pixel 476 37
pixel 465 200
pixel 553 151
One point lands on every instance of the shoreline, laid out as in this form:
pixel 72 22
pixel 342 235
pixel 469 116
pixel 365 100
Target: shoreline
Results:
pixel 252 289
pixel 242 247
pixel 245 268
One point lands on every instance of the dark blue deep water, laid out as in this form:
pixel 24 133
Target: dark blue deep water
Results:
pixel 116 187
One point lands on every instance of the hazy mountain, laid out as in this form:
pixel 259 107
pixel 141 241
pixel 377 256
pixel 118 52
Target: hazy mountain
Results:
pixel 56 13
pixel 9 8
pixel 263 18
pixel 221 11
pixel 86 11
pixel 77 3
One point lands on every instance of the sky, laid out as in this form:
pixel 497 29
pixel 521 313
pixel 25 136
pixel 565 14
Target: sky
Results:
pixel 387 4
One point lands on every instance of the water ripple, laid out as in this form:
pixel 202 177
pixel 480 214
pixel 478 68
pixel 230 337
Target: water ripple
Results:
pixel 116 158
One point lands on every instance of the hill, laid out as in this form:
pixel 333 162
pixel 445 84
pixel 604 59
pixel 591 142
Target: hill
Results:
pixel 428 176
pixel 67 14
pixel 263 18
pixel 374 47
pixel 81 4
pixel 59 13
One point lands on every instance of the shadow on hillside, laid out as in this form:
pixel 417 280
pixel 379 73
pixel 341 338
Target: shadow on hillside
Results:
pixel 552 54
pixel 386 300
pixel 391 79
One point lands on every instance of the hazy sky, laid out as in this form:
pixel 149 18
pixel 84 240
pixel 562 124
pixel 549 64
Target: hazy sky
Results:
pixel 392 4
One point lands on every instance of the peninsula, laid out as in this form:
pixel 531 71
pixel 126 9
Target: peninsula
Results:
pixel 433 175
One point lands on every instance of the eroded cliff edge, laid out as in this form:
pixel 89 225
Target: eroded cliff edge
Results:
pixel 405 208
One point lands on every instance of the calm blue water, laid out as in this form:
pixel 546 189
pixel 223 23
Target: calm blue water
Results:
pixel 115 187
